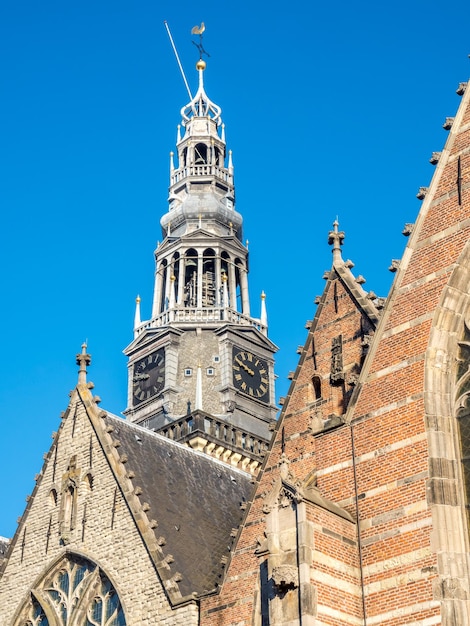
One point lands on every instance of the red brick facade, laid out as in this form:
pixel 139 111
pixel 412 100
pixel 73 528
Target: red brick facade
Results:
pixel 370 463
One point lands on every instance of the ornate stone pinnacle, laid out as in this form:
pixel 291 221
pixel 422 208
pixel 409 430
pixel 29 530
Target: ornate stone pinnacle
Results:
pixel 336 238
pixel 83 360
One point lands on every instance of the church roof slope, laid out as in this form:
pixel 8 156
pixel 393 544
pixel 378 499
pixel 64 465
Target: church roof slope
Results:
pixel 196 501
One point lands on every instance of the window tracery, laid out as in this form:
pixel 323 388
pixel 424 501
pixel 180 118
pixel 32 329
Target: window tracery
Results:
pixel 75 592
pixel 463 411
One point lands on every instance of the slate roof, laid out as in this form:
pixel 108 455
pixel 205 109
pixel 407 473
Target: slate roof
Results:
pixel 196 500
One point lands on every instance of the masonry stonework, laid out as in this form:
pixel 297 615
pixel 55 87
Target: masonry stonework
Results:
pixel 359 513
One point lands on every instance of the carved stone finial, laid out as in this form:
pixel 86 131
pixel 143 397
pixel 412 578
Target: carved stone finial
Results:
pixel 435 156
pixel 461 89
pixel 83 360
pixel 394 265
pixel 336 238
pixel 448 123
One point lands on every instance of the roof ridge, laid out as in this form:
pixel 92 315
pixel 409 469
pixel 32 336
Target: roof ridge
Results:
pixel 177 444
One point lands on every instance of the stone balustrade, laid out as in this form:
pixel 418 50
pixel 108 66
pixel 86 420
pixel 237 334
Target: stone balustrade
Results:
pixel 219 439
pixel 200 315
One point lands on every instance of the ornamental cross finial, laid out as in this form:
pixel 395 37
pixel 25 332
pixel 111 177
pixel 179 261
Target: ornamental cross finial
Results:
pixel 83 360
pixel 198 30
pixel 335 239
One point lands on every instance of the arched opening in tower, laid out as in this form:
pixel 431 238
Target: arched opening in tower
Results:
pixel 190 278
pixel 200 154
pixel 163 297
pixel 208 278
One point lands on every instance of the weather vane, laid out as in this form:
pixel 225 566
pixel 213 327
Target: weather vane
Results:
pixel 198 30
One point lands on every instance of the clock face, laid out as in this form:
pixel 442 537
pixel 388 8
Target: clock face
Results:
pixel 148 377
pixel 250 374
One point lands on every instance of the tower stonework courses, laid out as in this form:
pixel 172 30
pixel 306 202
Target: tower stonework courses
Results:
pixel 204 507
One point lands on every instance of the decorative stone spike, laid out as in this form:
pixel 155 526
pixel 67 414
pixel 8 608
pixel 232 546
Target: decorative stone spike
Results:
pixel 394 266
pixel 435 156
pixel 161 541
pixel 448 123
pixel 243 505
pixel 96 399
pixel 371 295
pixel 408 229
pixel 349 264
pixel 422 191
pixel 103 414
pixel 290 375
pixel 28 498
pixel 62 415
pixel 326 275
pixel 116 443
pixel 272 426
pixel 138 491
pixel 299 349
pixel 177 577
pixel 130 474
pixel 145 506
pixel 360 280
pixel 317 300
pixel 380 303
pixel 281 401
pixel 44 456
pixel 169 559
pixel 233 533
pixel 83 360
pixel 109 428
pixel 461 89
pixel 224 561
pixel 37 477
pixel 124 458
pixel 53 434
pixel 308 324
pixel 153 523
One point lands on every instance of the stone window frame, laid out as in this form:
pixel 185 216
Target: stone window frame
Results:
pixel 73 590
pixel 443 401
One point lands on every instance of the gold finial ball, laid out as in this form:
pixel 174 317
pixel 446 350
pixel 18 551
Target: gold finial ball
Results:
pixel 201 65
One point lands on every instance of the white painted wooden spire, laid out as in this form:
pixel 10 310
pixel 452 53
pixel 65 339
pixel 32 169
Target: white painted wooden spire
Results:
pixel 137 320
pixel 264 314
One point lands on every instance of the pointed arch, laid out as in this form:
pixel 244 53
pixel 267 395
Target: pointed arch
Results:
pixel 445 402
pixel 73 592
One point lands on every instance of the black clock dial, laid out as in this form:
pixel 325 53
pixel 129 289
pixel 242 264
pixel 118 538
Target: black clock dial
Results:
pixel 250 374
pixel 148 378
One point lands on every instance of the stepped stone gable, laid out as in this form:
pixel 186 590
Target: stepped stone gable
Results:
pixel 300 550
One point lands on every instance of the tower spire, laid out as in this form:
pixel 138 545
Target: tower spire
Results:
pixel 201 344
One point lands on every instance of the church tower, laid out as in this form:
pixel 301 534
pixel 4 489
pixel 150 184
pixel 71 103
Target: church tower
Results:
pixel 201 369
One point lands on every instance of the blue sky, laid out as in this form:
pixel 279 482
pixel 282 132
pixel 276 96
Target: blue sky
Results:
pixel 329 110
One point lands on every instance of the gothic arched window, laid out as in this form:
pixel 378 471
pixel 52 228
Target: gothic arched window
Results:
pixel 316 386
pixel 75 591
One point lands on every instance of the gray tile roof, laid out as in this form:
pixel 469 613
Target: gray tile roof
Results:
pixel 196 500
